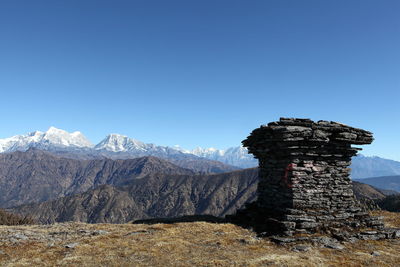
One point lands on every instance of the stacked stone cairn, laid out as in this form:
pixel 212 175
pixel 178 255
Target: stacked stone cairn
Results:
pixel 304 183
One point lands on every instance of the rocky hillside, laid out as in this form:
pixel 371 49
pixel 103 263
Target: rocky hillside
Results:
pixel 366 167
pixel 390 203
pixel 365 191
pixel 37 176
pixel 155 195
pixel 161 195
pixel 384 182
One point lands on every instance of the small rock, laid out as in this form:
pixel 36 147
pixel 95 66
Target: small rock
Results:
pixel 2 252
pixel 323 240
pixel 352 239
pixel 99 232
pixel 375 253
pixel 303 238
pixel 369 232
pixel 282 240
pixel 334 246
pixel 396 234
pixel 301 248
pixel 20 236
pixel 308 225
pixel 328 242
pixel 247 241
pixel 219 233
pixel 71 245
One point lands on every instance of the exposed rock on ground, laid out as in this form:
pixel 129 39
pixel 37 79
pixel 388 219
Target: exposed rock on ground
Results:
pixel 181 244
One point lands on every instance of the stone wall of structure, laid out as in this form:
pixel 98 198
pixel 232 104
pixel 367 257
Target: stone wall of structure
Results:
pixel 304 184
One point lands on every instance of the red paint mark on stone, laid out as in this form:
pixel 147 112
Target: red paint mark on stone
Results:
pixel 285 177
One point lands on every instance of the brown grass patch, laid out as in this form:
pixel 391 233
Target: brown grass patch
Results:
pixel 392 219
pixel 181 244
pixel 7 218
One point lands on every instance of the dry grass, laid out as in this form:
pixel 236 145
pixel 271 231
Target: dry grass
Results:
pixel 392 219
pixel 7 218
pixel 182 244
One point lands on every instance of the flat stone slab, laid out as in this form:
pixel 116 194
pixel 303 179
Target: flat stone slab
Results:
pixel 301 248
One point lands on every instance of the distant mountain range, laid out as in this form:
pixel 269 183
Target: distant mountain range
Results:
pixel 206 160
pixel 361 167
pixel 157 195
pixel 106 190
pixel 53 189
pixel 37 176
pixel 118 146
pixel 53 139
pixel 236 156
pixel 391 183
pixel 75 145
pixel 366 167
pixel 61 176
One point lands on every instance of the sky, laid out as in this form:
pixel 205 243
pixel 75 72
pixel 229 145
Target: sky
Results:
pixel 199 73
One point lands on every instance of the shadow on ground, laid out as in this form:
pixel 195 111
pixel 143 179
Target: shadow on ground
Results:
pixel 183 219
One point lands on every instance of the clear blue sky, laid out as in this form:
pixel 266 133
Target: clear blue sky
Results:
pixel 199 73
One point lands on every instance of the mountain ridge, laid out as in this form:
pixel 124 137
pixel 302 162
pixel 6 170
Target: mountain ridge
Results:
pixel 51 139
pixel 117 146
pixel 156 195
pixel 391 182
pixel 37 176
pixel 114 146
pixel 159 195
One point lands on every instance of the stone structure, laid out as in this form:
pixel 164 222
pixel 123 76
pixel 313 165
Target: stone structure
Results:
pixel 304 184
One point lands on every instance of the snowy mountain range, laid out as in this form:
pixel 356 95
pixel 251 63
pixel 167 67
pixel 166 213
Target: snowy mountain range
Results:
pixel 115 146
pixel 53 138
pixel 122 144
pixel 56 139
pixel 118 146
pixel 236 156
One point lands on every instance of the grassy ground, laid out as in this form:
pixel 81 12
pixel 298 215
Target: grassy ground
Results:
pixel 182 244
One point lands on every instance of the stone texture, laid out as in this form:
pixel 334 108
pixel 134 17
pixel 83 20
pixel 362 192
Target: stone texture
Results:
pixel 71 245
pixel 375 253
pixel 304 184
pixel 301 248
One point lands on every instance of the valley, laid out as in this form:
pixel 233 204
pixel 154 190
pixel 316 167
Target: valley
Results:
pixel 52 189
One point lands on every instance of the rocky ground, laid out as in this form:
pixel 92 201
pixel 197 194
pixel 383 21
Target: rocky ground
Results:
pixel 180 244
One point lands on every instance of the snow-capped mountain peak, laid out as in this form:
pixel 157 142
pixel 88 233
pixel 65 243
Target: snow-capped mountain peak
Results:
pixel 207 152
pixel 54 130
pixel 51 139
pixel 237 156
pixel 120 143
pixel 60 137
